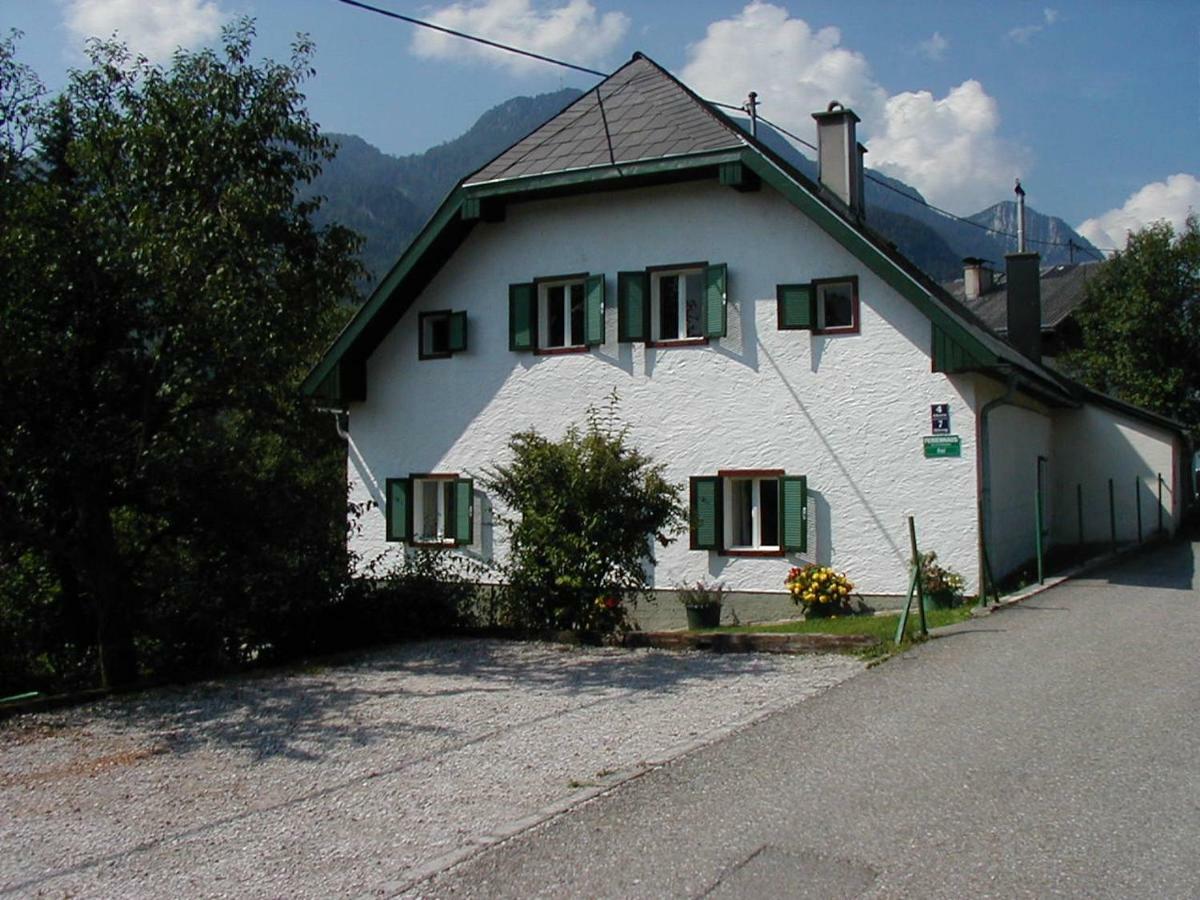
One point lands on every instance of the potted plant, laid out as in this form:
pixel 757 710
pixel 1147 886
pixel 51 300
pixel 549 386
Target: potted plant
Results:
pixel 702 601
pixel 820 590
pixel 942 587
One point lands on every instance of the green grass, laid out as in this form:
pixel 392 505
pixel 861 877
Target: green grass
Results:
pixel 883 627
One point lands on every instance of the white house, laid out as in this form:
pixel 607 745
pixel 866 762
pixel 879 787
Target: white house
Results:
pixel 810 385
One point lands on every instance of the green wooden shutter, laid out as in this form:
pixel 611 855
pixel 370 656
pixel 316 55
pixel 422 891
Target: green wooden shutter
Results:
pixel 705 514
pixel 522 316
pixel 463 526
pixel 793 497
pixel 593 316
pixel 456 340
pixel 633 306
pixel 795 306
pixel 715 281
pixel 398 508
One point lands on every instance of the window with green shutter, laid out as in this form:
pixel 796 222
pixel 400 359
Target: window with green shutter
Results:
pixel 715 306
pixel 633 307
pixel 441 333
pixel 793 516
pixel 398 509
pixel 751 512
pixel 705 522
pixel 794 306
pixel 435 509
pixel 522 316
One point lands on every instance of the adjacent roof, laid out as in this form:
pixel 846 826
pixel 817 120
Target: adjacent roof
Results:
pixel 1063 289
pixel 642 126
pixel 634 114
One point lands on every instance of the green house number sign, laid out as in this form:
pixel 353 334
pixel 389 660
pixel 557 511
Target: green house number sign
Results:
pixel 939 445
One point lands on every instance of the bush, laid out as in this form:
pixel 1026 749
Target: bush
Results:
pixel 942 586
pixel 581 515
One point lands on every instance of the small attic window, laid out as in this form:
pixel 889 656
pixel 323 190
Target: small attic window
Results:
pixel 836 305
pixel 442 334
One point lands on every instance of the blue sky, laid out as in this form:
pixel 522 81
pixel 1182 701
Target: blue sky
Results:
pixel 1096 106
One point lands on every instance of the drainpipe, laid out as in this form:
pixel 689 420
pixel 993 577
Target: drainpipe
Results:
pixel 985 476
pixel 339 415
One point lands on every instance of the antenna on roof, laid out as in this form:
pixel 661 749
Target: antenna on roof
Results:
pixel 751 106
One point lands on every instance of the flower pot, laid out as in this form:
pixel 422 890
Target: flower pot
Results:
pixel 943 600
pixel 703 616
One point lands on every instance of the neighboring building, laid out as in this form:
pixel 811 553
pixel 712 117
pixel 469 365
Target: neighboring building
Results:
pixel 779 357
pixel 1063 289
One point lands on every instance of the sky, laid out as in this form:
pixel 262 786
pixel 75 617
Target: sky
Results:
pixel 1095 106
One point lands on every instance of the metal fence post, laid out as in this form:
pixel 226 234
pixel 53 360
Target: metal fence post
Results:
pixel 1160 516
pixel 1137 497
pixel 1112 515
pixel 1037 512
pixel 1079 507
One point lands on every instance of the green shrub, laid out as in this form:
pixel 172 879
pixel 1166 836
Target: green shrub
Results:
pixel 582 514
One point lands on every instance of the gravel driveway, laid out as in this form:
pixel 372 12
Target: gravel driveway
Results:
pixel 359 779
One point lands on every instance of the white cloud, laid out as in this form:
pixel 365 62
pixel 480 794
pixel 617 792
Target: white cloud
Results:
pixel 572 31
pixel 948 148
pixel 795 70
pixel 153 28
pixel 934 47
pixel 1173 200
pixel 1024 33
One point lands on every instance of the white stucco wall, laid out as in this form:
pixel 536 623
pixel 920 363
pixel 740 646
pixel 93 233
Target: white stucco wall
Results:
pixel 1017 435
pixel 1100 444
pixel 847 411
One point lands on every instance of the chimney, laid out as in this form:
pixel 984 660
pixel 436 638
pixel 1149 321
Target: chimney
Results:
pixel 1025 303
pixel 839 156
pixel 1020 192
pixel 977 277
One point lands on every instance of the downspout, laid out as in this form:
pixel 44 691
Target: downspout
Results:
pixel 985 476
pixel 338 416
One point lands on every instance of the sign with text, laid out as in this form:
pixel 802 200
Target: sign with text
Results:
pixel 940 445
pixel 939 418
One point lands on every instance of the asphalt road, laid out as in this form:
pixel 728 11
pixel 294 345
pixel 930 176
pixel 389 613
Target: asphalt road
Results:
pixel 1050 749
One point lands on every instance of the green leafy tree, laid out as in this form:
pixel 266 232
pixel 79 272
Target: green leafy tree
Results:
pixel 164 291
pixel 1140 324
pixel 582 515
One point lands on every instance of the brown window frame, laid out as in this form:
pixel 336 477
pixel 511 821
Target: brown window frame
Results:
pixel 855 326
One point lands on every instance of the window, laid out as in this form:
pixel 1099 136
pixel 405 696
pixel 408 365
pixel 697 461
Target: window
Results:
pixel 561 314
pixel 837 304
pixel 753 519
pixel 557 314
pixel 823 306
pixel 430 509
pixel 669 304
pixel 442 333
pixel 677 305
pixel 749 512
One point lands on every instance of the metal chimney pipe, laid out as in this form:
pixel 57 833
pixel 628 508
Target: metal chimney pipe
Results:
pixel 751 106
pixel 1020 192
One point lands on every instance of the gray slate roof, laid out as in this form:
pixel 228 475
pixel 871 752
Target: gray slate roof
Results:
pixel 649 115
pixel 1063 290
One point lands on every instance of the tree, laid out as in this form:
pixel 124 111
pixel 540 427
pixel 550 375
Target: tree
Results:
pixel 582 514
pixel 165 290
pixel 1140 324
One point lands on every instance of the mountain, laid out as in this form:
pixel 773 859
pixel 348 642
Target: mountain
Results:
pixel 388 198
pixel 1041 231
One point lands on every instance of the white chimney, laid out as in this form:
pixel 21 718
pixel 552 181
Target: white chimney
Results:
pixel 839 156
pixel 977 277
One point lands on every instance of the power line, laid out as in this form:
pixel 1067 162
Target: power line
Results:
pixel 471 37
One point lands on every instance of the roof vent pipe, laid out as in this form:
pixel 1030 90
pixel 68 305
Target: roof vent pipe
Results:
pixel 1020 192
pixel 839 161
